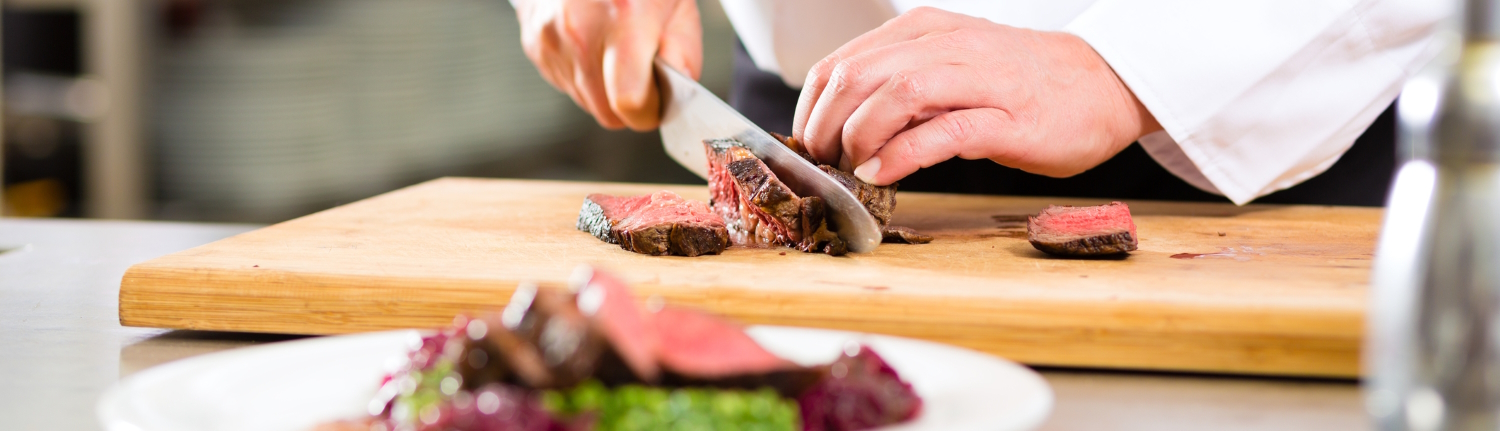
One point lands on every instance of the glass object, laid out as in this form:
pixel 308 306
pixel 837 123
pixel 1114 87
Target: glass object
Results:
pixel 1433 353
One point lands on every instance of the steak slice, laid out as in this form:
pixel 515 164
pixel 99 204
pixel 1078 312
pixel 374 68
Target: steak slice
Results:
pixel 658 224
pixel 701 345
pixel 756 206
pixel 759 209
pixel 880 201
pixel 494 354
pixel 622 322
pixel 700 349
pixel 1083 231
pixel 571 346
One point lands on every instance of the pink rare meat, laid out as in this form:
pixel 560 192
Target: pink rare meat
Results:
pixel 1083 231
pixel 617 316
pixel 660 223
pixel 702 345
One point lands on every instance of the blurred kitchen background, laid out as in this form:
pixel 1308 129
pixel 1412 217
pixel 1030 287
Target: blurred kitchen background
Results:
pixel 265 110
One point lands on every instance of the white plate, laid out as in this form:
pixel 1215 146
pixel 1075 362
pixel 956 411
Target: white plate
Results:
pixel 297 384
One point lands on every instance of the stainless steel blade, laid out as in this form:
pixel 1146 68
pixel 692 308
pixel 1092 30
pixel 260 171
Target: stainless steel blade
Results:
pixel 691 113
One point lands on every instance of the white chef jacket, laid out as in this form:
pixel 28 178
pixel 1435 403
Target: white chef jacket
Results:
pixel 1253 96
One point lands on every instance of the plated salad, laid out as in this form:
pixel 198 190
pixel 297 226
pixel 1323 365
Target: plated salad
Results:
pixel 590 357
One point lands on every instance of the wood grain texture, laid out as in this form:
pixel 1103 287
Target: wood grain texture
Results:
pixel 1280 289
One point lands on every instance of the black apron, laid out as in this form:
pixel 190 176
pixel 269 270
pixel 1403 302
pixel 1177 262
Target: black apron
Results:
pixel 1361 177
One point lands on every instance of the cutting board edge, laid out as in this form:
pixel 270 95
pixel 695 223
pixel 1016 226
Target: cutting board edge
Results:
pixel 147 279
pixel 150 298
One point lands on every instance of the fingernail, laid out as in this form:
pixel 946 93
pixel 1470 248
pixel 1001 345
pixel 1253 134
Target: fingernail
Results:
pixel 867 171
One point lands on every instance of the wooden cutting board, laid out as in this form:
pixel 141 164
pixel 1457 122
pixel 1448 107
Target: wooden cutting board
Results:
pixel 1214 288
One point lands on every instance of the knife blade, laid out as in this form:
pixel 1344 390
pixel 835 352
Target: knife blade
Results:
pixel 691 113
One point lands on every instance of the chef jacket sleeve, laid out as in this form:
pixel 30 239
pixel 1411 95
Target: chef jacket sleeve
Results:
pixel 1257 96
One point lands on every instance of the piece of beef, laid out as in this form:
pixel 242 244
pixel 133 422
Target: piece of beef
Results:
pixel 880 201
pixel 685 347
pixel 818 236
pixel 903 235
pixel 547 338
pixel 629 330
pixel 789 382
pixel 660 223
pixel 570 343
pixel 860 392
pixel 698 344
pixel 1083 231
pixel 700 349
pixel 756 207
pixel 494 354
pixel 761 210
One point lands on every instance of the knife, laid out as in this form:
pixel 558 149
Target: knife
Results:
pixel 691 113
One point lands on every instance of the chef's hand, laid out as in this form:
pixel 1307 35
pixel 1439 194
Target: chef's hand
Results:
pixel 930 85
pixel 600 52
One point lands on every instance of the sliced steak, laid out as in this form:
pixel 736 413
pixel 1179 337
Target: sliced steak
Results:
pixel 761 210
pixel 879 200
pixel 790 382
pixel 756 206
pixel 1083 231
pixel 548 320
pixel 660 223
pixel 701 345
pixel 818 236
pixel 494 354
pixel 700 349
pixel 614 313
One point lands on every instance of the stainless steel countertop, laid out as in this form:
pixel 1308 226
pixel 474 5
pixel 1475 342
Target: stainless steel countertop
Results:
pixel 61 346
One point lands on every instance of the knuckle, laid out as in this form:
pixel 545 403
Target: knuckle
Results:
pixel 846 76
pixel 822 69
pixel 956 128
pixel 907 89
pixel 911 151
pixel 856 142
